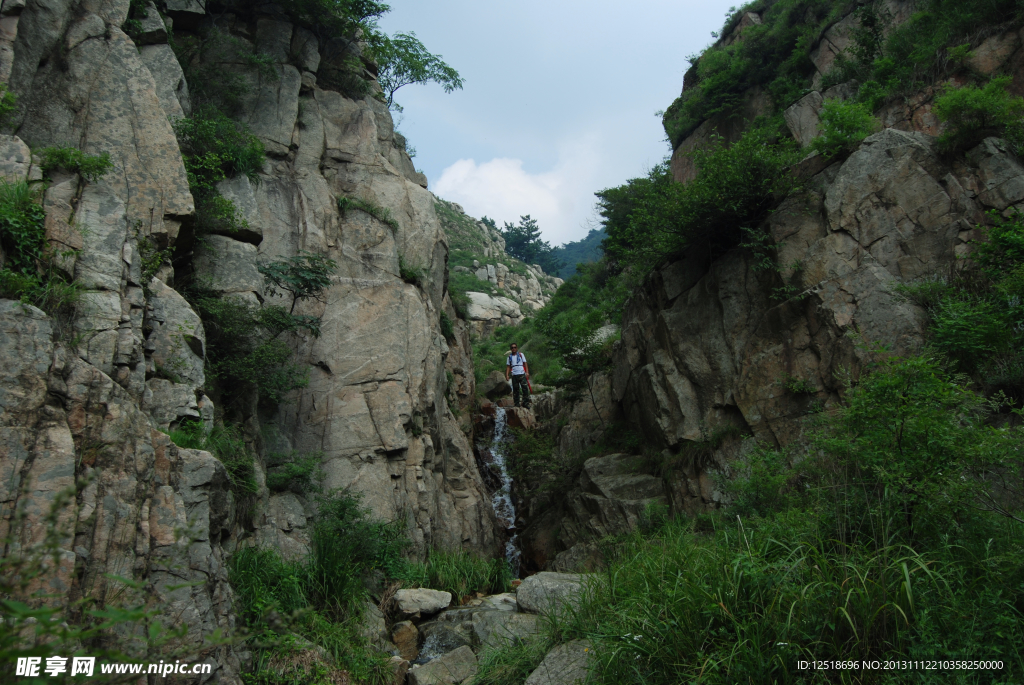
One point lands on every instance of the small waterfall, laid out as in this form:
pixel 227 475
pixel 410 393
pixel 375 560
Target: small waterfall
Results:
pixel 502 498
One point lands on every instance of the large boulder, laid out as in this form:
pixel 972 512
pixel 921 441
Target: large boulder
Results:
pixel 500 627
pixel 414 603
pixel 546 592
pixel 566 664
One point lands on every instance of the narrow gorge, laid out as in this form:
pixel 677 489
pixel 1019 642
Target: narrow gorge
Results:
pixel 254 414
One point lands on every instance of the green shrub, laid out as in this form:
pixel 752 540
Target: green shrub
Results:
pixel 866 543
pixel 774 55
pixel 447 327
pixel 408 273
pixel 31 272
pixel 242 344
pixel 227 443
pixel 650 218
pixel 798 386
pixel 8 105
pixel 22 227
pixel 214 148
pixel 296 472
pixel 91 167
pixel 513 664
pixel 843 125
pixel 969 330
pixel 321 598
pixel 972 113
pixel 381 214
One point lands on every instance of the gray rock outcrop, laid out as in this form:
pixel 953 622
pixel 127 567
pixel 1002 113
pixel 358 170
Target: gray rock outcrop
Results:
pixel 546 592
pixel 570 663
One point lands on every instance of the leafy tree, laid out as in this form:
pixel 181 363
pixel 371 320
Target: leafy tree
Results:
pixel 651 218
pixel 403 60
pixel 306 275
pixel 523 242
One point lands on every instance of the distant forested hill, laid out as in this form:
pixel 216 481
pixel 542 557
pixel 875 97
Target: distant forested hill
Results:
pixel 586 251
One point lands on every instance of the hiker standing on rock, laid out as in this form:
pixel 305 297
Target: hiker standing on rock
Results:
pixel 520 372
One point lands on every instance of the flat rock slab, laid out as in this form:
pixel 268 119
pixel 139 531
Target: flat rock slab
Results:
pixel 547 592
pixel 567 664
pixel 450 669
pixel 421 602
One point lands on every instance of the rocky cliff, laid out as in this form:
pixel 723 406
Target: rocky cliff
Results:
pixel 718 356
pixel 83 410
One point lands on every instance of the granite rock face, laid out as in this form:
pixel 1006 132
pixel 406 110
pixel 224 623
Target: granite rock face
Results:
pixel 145 508
pixel 376 406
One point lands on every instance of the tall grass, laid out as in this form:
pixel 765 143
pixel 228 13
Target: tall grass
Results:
pixel 459 573
pixel 748 602
pixel 322 598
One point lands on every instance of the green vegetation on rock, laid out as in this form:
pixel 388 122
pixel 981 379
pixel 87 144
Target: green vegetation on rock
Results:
pixel 773 55
pixel 650 218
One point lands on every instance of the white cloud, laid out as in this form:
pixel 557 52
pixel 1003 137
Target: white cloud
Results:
pixel 561 199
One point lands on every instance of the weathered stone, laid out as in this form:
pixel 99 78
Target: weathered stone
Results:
pixel 306 49
pixel 495 385
pixel 239 190
pixel 230 266
pixel 177 343
pixel 153 29
pixel 15 159
pixel 191 6
pixel 406 637
pixel 484 307
pixel 546 592
pixel 274 39
pixel 170 403
pixel 497 628
pixel 1000 175
pixel 421 602
pixel 272 107
pixel 802 117
pixel 567 664
pixel 171 87
pixel 450 669
pixel 443 636
pixel 994 52
pixel 102 92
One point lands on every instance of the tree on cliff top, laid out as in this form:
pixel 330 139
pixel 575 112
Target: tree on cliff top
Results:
pixel 401 59
pixel 523 242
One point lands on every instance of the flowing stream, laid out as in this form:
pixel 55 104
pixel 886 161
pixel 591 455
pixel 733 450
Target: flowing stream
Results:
pixel 502 498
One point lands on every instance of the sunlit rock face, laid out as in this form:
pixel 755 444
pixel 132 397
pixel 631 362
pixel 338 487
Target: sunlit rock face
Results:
pixel 375 406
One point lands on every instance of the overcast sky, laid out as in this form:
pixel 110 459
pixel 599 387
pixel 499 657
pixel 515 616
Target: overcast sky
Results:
pixel 558 103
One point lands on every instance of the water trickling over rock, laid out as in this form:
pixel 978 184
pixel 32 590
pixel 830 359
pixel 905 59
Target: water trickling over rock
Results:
pixel 501 500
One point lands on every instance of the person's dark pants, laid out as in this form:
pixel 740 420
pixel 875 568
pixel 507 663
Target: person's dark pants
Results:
pixel 520 387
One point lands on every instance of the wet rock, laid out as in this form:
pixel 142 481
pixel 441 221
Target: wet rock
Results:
pixel 448 633
pixel 406 637
pixel 450 669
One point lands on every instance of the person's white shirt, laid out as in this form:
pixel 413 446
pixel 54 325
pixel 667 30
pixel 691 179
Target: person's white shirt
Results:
pixel 516 361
